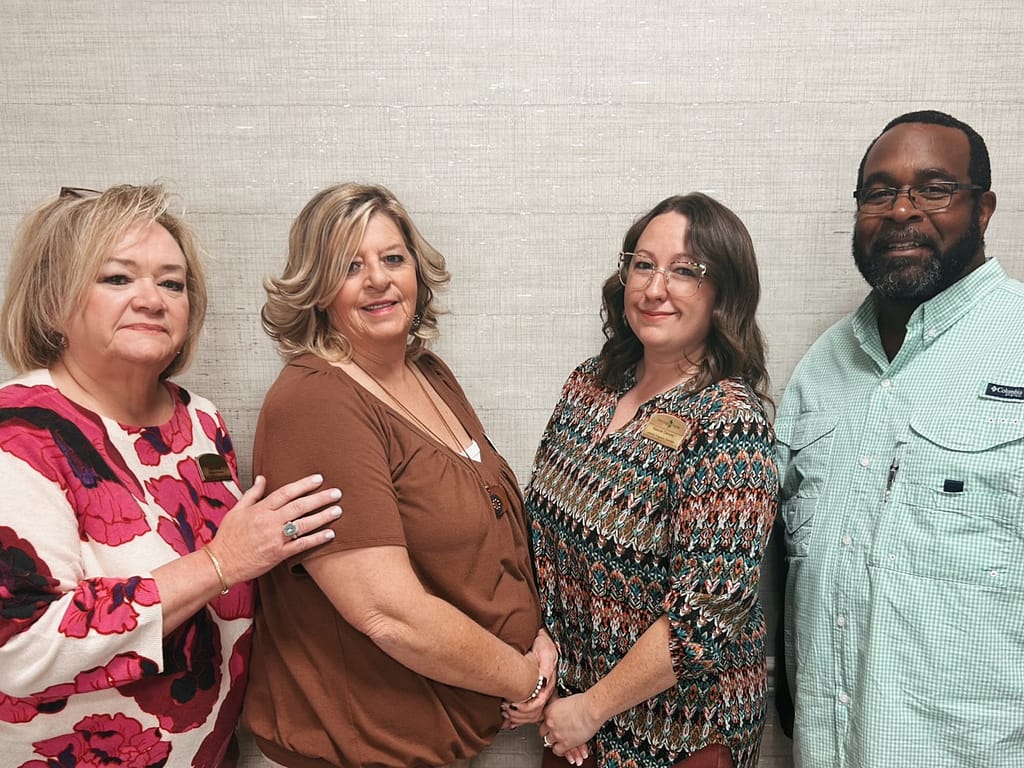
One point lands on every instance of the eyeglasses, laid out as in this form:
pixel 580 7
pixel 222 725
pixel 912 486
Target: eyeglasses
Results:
pixel 933 196
pixel 682 278
pixel 78 192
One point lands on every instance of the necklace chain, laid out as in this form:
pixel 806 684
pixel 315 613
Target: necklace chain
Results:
pixel 457 444
pixel 496 503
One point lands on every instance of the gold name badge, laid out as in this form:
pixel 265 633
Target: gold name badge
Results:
pixel 213 468
pixel 667 429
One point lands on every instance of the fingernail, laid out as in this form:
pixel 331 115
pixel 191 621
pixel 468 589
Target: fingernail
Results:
pixel 328 535
pixel 316 478
pixel 335 511
pixel 335 494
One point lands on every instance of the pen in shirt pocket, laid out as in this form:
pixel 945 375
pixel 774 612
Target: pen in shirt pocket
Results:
pixel 894 468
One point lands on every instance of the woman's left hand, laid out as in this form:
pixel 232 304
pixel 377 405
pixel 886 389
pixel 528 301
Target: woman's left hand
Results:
pixel 568 723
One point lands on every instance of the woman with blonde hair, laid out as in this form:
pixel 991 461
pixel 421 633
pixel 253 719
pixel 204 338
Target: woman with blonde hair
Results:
pixel 126 545
pixel 396 647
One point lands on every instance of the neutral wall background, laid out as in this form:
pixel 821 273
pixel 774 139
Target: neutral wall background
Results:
pixel 523 135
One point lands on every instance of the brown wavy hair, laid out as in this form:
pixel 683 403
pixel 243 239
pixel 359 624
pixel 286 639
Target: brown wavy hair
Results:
pixel 735 346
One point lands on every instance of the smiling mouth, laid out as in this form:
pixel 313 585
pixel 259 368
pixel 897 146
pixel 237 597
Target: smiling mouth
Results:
pixel 903 241
pixel 903 245
pixel 379 306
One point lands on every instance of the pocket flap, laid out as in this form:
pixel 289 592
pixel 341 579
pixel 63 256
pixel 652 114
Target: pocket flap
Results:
pixel 797 432
pixel 972 432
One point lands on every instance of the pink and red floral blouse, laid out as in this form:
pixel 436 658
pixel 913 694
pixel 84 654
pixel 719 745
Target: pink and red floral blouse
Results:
pixel 88 508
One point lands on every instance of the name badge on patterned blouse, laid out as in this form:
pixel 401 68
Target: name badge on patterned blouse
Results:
pixel 213 468
pixel 666 429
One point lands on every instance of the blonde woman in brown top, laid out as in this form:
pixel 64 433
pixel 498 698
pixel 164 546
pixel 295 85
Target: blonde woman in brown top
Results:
pixel 394 645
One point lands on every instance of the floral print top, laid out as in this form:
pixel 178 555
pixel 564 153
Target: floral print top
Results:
pixel 89 507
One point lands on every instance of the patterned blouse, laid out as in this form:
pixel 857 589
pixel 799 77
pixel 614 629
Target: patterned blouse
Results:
pixel 88 508
pixel 669 516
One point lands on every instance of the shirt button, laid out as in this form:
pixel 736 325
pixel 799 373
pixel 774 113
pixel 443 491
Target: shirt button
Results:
pixel 865 461
pixel 993 573
pixel 844 698
pixel 885 383
pixel 931 333
pixel 841 621
pixel 847 540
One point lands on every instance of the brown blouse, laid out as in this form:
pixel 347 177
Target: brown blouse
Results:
pixel 320 692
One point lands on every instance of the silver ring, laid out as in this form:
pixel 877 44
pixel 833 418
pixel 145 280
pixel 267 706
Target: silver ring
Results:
pixel 290 530
pixel 546 742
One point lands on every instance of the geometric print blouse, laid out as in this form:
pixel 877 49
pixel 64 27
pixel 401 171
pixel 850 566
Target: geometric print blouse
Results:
pixel 643 523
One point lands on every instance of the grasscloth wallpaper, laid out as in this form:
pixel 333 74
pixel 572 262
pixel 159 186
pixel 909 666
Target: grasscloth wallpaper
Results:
pixel 523 135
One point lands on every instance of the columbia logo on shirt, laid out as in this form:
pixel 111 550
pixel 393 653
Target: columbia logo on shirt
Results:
pixel 1004 392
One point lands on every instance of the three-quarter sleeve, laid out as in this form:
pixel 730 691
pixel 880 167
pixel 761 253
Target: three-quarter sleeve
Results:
pixel 727 486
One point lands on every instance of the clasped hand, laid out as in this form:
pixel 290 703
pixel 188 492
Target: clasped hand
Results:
pixel 565 724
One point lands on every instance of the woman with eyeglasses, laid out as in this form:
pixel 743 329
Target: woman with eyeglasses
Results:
pixel 651 502
pixel 126 545
pixel 397 646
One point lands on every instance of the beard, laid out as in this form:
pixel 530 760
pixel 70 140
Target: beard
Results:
pixel 905 278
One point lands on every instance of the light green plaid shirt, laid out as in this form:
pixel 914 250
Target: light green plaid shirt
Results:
pixel 903 503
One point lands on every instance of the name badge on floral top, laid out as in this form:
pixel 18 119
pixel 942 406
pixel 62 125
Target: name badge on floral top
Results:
pixel 213 468
pixel 667 429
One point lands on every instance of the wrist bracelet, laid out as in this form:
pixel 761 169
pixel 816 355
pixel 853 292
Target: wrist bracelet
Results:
pixel 541 682
pixel 220 574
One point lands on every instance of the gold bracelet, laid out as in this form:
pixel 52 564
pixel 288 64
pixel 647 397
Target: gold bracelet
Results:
pixel 216 566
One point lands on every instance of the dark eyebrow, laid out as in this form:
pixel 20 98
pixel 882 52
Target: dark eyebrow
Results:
pixel 922 176
pixel 681 256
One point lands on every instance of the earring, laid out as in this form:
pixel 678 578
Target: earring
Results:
pixel 417 319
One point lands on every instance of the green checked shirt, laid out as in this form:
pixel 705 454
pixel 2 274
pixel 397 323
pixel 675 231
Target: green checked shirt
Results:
pixel 903 505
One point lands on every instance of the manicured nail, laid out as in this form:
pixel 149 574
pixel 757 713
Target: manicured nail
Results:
pixel 335 511
pixel 328 535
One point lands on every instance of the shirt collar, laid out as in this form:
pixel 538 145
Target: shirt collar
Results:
pixel 937 315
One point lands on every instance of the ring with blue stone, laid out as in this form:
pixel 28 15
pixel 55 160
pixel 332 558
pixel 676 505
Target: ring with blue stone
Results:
pixel 291 530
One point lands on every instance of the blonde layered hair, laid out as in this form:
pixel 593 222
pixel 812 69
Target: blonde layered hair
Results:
pixel 58 253
pixel 324 240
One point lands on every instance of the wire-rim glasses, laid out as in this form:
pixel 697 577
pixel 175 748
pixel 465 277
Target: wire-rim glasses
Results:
pixel 682 278
pixel 927 198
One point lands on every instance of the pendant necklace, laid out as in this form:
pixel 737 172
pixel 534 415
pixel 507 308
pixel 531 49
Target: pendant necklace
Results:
pixel 496 503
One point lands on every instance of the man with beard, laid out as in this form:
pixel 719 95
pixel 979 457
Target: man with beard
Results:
pixel 901 443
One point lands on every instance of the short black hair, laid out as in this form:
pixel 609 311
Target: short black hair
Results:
pixel 979 168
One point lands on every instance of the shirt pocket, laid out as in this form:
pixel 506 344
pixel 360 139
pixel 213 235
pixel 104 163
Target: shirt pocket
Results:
pixel 805 451
pixel 963 497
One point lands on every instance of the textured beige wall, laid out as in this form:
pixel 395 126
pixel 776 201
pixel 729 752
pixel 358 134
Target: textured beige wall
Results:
pixel 524 135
